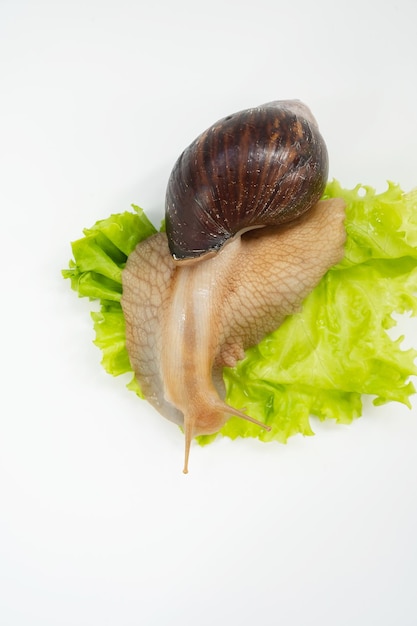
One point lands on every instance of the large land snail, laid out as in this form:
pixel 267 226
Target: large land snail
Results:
pixel 247 238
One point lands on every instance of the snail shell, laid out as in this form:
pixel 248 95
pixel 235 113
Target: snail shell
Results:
pixel 261 166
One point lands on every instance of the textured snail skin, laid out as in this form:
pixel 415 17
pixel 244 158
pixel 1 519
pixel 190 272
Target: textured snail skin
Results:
pixel 258 167
pixel 183 324
pixel 186 321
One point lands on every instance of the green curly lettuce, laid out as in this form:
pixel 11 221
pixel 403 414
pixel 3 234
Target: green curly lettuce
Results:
pixel 320 361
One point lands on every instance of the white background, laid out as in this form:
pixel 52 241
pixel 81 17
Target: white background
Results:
pixel 98 525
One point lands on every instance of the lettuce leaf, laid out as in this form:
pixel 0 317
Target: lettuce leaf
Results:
pixel 96 272
pixel 322 360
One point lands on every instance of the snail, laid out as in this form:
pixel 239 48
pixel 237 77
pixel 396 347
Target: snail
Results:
pixel 247 238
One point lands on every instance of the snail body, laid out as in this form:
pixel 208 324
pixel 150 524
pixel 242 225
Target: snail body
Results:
pixel 191 307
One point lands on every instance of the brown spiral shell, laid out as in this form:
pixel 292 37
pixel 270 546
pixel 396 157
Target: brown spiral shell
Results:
pixel 258 167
